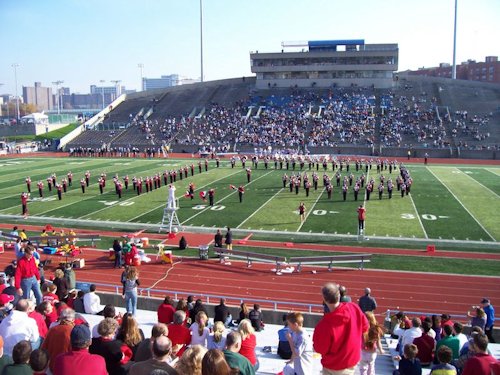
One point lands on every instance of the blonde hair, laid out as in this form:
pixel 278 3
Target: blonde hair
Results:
pixel 59 273
pixel 191 360
pixel 218 331
pixel 245 329
pixel 375 331
pixel 201 318
pixel 107 327
pixel 132 273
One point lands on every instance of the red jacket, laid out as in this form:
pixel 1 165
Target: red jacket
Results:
pixel 338 337
pixel 166 313
pixel 248 349
pixel 40 322
pixel 26 269
pixel 80 361
pixel 179 334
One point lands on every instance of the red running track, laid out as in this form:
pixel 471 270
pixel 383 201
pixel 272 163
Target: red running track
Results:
pixel 410 291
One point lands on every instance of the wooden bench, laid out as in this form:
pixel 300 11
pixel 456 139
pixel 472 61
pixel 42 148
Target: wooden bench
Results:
pixel 250 257
pixel 361 259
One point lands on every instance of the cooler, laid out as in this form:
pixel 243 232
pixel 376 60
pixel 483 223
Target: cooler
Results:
pixel 203 252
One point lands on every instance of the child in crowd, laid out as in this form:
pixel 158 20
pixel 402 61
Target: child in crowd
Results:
pixel 301 345
pixel 409 364
pixel 444 355
pixel 39 361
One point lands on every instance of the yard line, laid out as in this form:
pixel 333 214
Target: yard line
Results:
pixel 465 208
pixel 487 188
pixel 248 218
pixel 418 216
pixel 494 171
pixel 309 211
pixel 227 196
pixel 147 212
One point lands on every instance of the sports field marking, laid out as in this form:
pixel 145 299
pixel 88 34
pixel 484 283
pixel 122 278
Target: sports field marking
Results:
pixel 465 208
pixel 311 210
pixel 269 200
pixel 418 216
pixel 222 199
pixel 476 181
pixel 164 204
pixel 494 171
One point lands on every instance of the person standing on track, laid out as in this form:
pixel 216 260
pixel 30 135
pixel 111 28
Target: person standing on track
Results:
pixel 229 239
pixel 361 218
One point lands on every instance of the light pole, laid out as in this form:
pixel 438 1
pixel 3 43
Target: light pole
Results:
pixel 102 81
pixel 454 67
pixel 57 83
pixel 15 66
pixel 201 39
pixel 117 83
pixel 141 67
pixel 1 114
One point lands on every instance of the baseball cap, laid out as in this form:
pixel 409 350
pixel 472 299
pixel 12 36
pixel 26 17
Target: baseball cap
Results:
pixel 485 300
pixel 80 336
pixel 5 299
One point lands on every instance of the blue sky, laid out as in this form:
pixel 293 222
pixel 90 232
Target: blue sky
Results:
pixel 84 41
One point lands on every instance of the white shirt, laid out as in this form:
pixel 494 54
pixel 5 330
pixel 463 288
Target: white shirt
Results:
pixel 15 327
pixel 462 339
pixel 92 303
pixel 408 335
pixel 196 339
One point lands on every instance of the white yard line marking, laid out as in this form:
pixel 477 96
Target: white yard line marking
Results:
pixel 309 211
pixel 227 196
pixel 465 208
pixel 487 188
pixel 418 216
pixel 269 200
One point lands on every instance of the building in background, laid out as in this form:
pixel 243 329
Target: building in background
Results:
pixel 327 63
pixel 160 83
pixel 470 70
pixel 40 97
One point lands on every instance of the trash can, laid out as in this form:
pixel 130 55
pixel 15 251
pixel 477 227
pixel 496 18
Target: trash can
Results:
pixel 203 249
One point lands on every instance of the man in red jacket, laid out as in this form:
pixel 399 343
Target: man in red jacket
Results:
pixel 338 336
pixel 27 277
pixel 481 362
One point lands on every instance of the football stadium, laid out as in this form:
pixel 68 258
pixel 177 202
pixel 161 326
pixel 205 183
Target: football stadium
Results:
pixel 176 230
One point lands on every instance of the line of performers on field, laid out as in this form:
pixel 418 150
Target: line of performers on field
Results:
pixel 210 194
pixel 403 184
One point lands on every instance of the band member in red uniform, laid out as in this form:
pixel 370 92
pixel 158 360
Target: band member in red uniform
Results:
pixel 150 184
pixel 369 188
pixel 356 191
pixel 54 179
pixel 28 184
pixel 87 178
pixel 146 183
pixel 307 187
pixel 211 195
pixel 40 188
pixel 49 183
pixel 249 174
pixel 361 218
pixel 101 185
pixel 285 180
pixel 380 190
pixel 70 178
pixel 64 184
pixel 302 211
pixel 241 191
pixel 344 191
pixel 315 180
pixel 125 180
pixel 191 190
pixel 389 187
pixel 24 204
pixel 119 188
pixel 59 191
pixel 192 170
pixel 217 162
pixel 103 176
pixel 206 165
pixel 83 184
pixel 199 166
pixel 139 186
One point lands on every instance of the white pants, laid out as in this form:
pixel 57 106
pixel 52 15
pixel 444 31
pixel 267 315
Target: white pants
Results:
pixel 367 363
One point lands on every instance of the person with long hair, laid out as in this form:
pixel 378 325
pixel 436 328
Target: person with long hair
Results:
pixel 182 305
pixel 130 333
pixel 191 361
pixel 371 343
pixel 214 363
pixel 217 339
pixel 130 284
pixel 478 319
pixel 199 330
pixel 248 342
pixel 244 311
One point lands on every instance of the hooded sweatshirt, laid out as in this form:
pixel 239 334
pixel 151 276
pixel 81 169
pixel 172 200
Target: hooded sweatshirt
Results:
pixel 338 336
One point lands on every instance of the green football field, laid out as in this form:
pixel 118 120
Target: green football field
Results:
pixel 446 202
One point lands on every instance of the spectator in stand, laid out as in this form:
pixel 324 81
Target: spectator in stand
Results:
pixel 6 305
pixel 21 353
pixel 70 276
pixel 371 343
pixel 145 348
pixel 4 359
pixel 244 312
pixel 444 355
pixel 436 327
pixel 130 284
pixel 490 318
pixel 182 305
pixel 61 284
pixel 27 275
pixel 92 302
pixel 217 339
pixel 449 341
pixel 199 330
pixel 109 311
pixel 78 304
pixel 191 360
pixel 39 319
pixel 19 326
pixel 446 321
pixel 458 333
pixel 222 313
pixel 478 319
pixel 284 348
pixel 79 357
pixel 408 335
pixel 162 349
pixel 480 363
pixel 343 294
pixel 178 333
pixel 301 345
pixel 426 345
pixel 233 358
pixel 248 342
pixel 214 363
pixel 166 311
pixel 197 307
pixel 39 361
pixel 130 333
pixel 367 302
pixel 58 338
pixel 115 354
pixel 409 364
pixel 338 335
pixel 256 317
